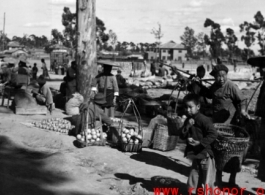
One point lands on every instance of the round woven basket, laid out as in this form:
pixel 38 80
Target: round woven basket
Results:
pixel 231 143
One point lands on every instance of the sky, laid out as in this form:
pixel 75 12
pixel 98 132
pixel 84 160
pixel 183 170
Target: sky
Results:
pixel 132 20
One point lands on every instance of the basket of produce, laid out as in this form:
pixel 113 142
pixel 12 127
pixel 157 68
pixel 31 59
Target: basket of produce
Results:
pixel 131 137
pixel 174 122
pixel 55 124
pixel 90 134
pixel 232 141
pixel 162 140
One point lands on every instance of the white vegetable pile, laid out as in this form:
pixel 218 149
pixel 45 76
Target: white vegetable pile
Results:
pixel 54 124
pixel 115 120
pixel 91 136
pixel 129 135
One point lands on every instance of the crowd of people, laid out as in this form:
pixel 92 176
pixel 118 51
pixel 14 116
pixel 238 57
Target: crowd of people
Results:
pixel 228 103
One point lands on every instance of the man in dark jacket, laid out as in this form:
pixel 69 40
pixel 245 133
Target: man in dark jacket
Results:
pixel 71 80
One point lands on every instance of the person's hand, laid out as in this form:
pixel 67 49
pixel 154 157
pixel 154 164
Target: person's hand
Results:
pixel 193 142
pixel 83 106
pixel 190 122
pixel 196 78
pixel 114 100
pixel 245 114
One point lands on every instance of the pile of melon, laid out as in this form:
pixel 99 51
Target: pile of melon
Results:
pixel 55 124
pixel 129 135
pixel 91 136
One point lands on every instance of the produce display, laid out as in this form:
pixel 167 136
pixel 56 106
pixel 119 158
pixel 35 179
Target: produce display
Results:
pixel 115 120
pixel 129 135
pixel 91 136
pixel 54 124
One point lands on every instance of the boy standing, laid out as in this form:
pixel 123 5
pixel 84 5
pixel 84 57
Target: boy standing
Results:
pixel 200 134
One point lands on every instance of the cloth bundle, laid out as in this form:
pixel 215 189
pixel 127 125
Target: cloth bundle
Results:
pixel 72 106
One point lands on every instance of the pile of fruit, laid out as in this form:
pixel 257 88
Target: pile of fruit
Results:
pixel 54 124
pixel 129 135
pixel 115 120
pixel 91 136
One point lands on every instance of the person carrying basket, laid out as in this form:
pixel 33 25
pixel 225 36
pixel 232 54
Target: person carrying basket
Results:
pixel 229 106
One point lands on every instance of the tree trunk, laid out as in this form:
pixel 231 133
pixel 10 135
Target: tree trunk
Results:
pixel 86 53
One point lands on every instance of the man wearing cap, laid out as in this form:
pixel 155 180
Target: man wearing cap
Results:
pixel 106 83
pixel 228 105
pixel 94 112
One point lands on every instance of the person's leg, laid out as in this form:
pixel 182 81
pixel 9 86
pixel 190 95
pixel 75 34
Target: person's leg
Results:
pixel 208 175
pixel 219 174
pixel 232 178
pixel 193 178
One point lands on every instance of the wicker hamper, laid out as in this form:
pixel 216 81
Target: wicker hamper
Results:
pixel 231 143
pixel 163 141
pixel 174 124
pixel 85 125
pixel 131 146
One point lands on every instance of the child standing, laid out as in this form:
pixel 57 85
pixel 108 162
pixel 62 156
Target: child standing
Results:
pixel 200 134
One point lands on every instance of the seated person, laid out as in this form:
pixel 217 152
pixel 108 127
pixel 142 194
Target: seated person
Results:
pixel 44 95
pixel 162 71
pixel 120 80
pixel 94 112
pixel 63 86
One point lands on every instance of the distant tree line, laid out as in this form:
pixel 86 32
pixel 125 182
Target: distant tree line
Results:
pixel 226 44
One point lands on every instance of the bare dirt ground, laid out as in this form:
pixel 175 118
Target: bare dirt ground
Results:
pixel 35 161
pixel 39 162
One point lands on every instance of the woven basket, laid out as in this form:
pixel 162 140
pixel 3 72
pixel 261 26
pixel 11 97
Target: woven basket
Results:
pixel 85 126
pixel 174 124
pixel 131 147
pixel 163 141
pixel 232 141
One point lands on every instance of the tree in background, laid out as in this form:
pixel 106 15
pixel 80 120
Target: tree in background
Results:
pixel 189 40
pixel 231 40
pixel 200 44
pixel 112 39
pixel 158 34
pixel 248 38
pixel 69 32
pixel 259 26
pixel 215 39
pixel 58 37
pixel 3 40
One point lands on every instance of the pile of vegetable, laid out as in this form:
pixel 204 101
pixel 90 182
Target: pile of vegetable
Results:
pixel 91 136
pixel 54 124
pixel 129 135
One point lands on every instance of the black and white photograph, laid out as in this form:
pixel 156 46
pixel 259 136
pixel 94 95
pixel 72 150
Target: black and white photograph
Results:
pixel 132 97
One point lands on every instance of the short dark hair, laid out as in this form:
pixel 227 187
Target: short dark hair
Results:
pixel 201 68
pixel 192 98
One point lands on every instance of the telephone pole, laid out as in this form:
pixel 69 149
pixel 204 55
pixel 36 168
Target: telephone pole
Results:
pixel 3 35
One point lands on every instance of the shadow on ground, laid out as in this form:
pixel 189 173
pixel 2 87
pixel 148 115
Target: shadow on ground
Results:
pixel 23 171
pixel 159 160
pixel 155 184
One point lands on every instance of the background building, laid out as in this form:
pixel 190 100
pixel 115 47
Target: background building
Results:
pixel 169 51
